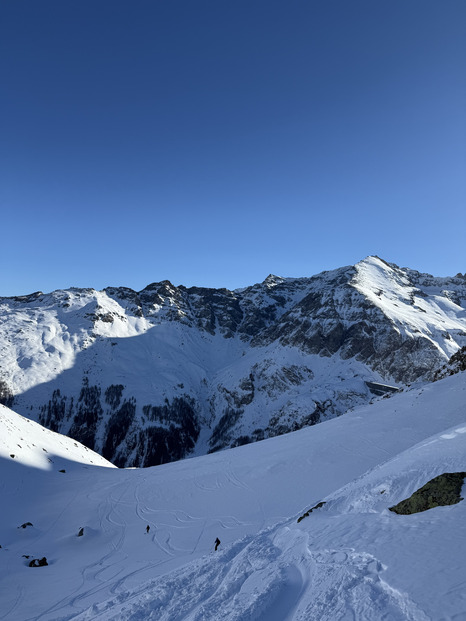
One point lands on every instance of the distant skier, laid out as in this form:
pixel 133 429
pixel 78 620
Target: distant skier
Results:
pixel 217 543
pixel 147 529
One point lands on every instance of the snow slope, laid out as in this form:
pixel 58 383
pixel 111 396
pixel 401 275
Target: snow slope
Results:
pixel 350 559
pixel 30 444
pixel 415 303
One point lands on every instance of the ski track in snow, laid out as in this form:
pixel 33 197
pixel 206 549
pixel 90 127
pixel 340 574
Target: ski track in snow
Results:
pixel 93 571
pixel 10 613
pixel 347 585
pixel 349 560
pixel 252 581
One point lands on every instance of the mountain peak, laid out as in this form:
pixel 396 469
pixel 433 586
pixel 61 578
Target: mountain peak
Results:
pixel 272 280
pixel 153 376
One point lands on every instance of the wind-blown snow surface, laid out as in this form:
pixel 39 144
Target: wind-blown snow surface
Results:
pixel 350 559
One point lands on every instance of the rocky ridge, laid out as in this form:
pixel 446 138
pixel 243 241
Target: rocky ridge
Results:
pixel 152 376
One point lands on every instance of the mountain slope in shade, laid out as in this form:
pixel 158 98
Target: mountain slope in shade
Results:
pixel 29 444
pixel 154 376
pixel 350 558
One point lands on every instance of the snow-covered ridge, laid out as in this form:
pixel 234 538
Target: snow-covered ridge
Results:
pixel 416 303
pixel 152 376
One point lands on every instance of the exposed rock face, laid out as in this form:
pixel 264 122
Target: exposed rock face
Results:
pixel 153 376
pixel 456 364
pixel 6 396
pixel 438 492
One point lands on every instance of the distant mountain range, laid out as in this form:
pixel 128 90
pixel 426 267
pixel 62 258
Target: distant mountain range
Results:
pixel 148 377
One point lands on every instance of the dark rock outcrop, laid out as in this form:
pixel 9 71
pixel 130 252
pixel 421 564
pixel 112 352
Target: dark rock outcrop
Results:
pixel 456 364
pixel 6 394
pixel 319 505
pixel 38 562
pixel 440 491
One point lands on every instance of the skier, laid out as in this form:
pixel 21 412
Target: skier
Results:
pixel 147 529
pixel 217 543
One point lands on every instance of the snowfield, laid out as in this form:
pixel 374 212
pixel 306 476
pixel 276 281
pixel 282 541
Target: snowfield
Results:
pixel 350 559
pixel 30 444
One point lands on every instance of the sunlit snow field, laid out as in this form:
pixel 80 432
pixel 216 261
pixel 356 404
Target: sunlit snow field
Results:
pixel 350 559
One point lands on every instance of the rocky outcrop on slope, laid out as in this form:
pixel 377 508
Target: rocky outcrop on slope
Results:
pixel 441 491
pixel 152 376
pixel 456 364
pixel 351 315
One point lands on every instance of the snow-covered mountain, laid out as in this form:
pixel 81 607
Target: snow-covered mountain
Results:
pixel 350 558
pixel 150 377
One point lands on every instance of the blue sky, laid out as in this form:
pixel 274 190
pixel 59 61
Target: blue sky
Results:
pixel 214 142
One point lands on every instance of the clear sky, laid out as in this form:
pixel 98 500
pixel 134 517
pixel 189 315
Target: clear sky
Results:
pixel 214 142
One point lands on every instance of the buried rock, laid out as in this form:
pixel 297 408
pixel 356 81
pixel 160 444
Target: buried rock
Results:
pixel 38 562
pixel 25 525
pixel 438 492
